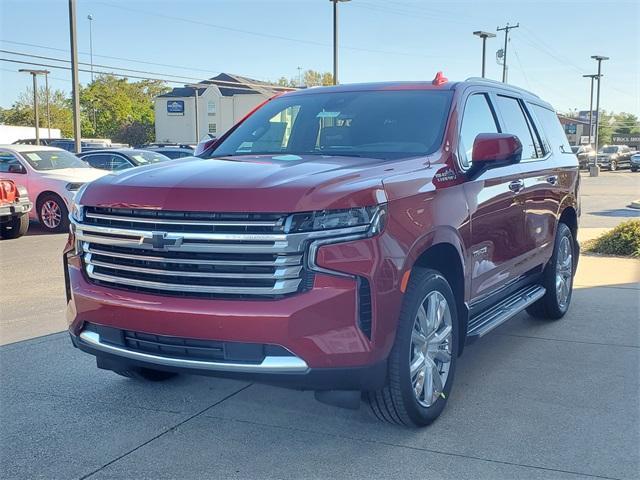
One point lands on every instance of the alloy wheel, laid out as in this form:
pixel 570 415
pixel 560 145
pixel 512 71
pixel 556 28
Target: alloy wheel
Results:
pixel 51 214
pixel 431 347
pixel 564 272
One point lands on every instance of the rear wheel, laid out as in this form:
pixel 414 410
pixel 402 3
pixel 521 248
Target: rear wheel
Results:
pixel 423 359
pixel 634 169
pixel 16 227
pixel 557 278
pixel 146 374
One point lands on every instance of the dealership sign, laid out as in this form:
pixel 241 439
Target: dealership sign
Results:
pixel 175 107
pixel 626 139
pixel 583 115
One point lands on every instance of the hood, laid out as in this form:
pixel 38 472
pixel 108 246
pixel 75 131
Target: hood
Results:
pixel 263 183
pixel 76 175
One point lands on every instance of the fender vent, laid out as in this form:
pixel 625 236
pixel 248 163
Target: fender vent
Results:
pixel 364 306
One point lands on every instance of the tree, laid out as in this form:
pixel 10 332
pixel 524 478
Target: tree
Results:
pixel 21 112
pixel 626 123
pixel 605 128
pixel 118 109
pixel 313 78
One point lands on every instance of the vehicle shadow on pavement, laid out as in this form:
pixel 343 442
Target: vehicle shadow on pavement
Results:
pixel 531 399
pixel 619 212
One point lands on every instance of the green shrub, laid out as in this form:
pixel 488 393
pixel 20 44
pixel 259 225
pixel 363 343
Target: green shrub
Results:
pixel 624 240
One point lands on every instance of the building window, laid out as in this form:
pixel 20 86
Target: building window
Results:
pixel 211 108
pixel 212 128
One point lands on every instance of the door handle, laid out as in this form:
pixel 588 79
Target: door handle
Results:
pixel 516 186
pixel 552 179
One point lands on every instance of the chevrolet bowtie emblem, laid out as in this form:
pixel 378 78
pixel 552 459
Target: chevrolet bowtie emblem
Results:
pixel 159 241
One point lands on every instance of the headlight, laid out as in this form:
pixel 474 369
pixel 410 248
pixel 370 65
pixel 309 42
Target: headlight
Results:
pixel 22 191
pixel 77 212
pixel 72 187
pixel 323 220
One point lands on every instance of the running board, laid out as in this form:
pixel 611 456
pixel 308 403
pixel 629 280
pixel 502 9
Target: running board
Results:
pixel 495 316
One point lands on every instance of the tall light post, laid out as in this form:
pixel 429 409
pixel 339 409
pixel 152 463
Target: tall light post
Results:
pixel 335 39
pixel 593 76
pixel 484 36
pixel 36 112
pixel 90 18
pixel 599 59
pixel 75 82
pixel 46 89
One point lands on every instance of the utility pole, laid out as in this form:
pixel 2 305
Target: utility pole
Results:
pixel 592 77
pixel 484 36
pixel 506 38
pixel 90 18
pixel 36 110
pixel 46 89
pixel 335 39
pixel 75 84
pixel 299 76
pixel 599 59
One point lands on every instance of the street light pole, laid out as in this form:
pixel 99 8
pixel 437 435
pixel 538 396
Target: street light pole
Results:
pixel 592 77
pixel 484 36
pixel 75 83
pixel 506 39
pixel 599 59
pixel 36 111
pixel 335 39
pixel 195 89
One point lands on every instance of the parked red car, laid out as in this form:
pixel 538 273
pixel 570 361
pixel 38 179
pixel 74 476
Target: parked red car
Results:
pixel 14 210
pixel 343 239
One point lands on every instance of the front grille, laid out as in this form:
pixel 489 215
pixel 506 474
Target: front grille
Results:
pixel 210 255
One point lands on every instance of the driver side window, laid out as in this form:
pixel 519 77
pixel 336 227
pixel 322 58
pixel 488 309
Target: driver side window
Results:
pixel 477 118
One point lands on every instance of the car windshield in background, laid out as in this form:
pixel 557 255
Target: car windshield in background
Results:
pixel 609 150
pixel 145 158
pixel 53 160
pixel 376 124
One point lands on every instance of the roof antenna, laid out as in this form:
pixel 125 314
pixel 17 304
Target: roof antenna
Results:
pixel 439 79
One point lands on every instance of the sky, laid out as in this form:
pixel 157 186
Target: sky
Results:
pixel 379 40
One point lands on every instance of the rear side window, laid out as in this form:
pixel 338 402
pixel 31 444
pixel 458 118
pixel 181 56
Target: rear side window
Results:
pixel 553 131
pixel 6 160
pixel 100 161
pixel 517 123
pixel 476 119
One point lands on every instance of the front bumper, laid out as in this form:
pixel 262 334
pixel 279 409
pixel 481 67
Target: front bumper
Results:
pixel 17 208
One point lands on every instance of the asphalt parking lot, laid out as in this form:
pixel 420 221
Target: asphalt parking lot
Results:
pixel 531 400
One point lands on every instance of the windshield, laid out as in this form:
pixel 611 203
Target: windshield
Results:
pixel 53 160
pixel 145 157
pixel 376 124
pixel 609 150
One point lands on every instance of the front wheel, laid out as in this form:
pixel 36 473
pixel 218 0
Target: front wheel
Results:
pixel 16 227
pixel 53 213
pixel 423 359
pixel 613 166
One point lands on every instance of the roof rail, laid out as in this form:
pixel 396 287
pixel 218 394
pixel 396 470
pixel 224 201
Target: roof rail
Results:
pixel 502 84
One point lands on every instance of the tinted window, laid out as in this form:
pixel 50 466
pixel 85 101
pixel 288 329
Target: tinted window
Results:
pixel 378 124
pixel 118 162
pixel 553 131
pixel 6 160
pixel 516 123
pixel 477 118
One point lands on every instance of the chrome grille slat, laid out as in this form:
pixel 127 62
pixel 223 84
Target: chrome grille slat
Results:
pixel 279 261
pixel 280 273
pixel 171 221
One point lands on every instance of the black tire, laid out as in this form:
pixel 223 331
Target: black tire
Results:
pixel 15 228
pixel 634 169
pixel 396 402
pixel 146 374
pixel 549 307
pixel 613 166
pixel 63 224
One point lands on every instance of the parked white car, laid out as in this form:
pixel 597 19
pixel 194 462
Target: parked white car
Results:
pixel 51 175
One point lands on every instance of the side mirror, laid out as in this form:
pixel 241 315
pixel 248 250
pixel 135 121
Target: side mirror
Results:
pixel 16 168
pixel 493 150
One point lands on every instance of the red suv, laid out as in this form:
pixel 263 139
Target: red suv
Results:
pixel 344 239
